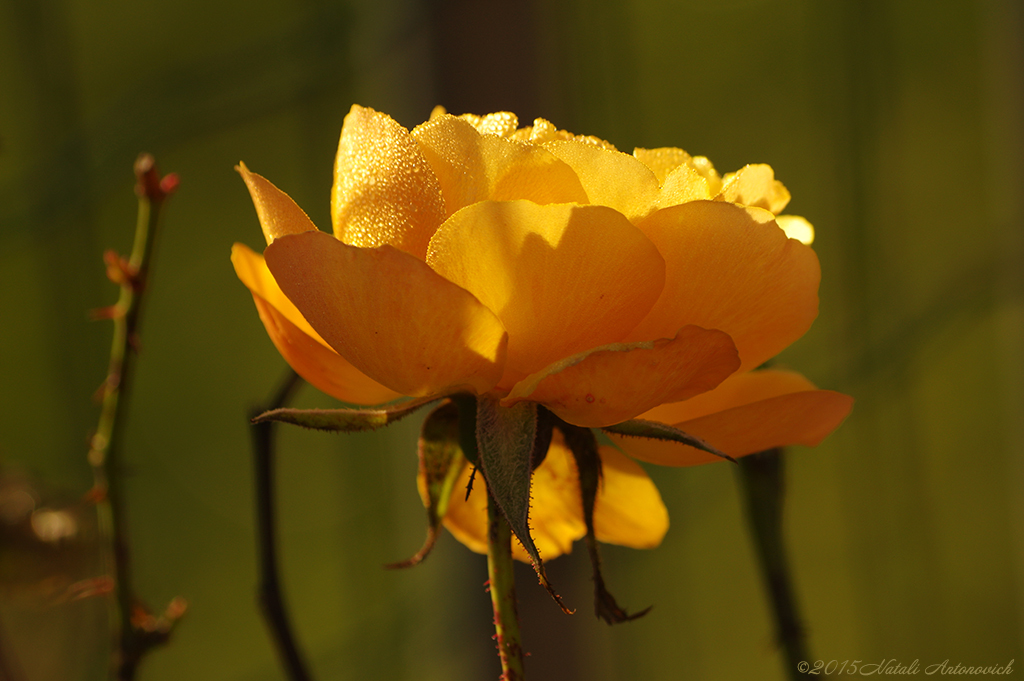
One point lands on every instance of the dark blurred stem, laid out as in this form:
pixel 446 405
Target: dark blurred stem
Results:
pixel 135 629
pixel 761 477
pixel 501 576
pixel 270 597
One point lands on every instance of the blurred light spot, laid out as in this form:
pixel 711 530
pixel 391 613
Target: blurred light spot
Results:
pixel 53 526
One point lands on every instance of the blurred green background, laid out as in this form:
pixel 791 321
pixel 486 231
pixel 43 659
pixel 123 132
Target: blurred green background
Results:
pixel 899 129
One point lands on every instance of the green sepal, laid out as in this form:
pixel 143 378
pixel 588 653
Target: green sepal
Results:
pixel 661 431
pixel 441 463
pixel 346 420
pixel 506 439
pixel 583 445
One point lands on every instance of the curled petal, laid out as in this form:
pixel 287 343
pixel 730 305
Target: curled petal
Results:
pixel 610 178
pixel 471 166
pixel 562 278
pixel 628 510
pixel 748 413
pixel 298 343
pixel 731 268
pixel 390 315
pixel 384 190
pixel 278 214
pixel 609 385
pixel 755 185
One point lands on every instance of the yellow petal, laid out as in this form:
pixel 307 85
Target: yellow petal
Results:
pixel 755 185
pixel 797 228
pixel 618 382
pixel 390 315
pixel 296 340
pixel 472 167
pixel 662 161
pixel 556 511
pixel 384 190
pixel 562 278
pixel 753 412
pixel 278 214
pixel 683 184
pixel 628 510
pixel 731 268
pixel 610 178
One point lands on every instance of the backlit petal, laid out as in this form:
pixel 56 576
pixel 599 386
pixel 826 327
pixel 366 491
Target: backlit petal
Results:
pixel 390 315
pixel 731 268
pixel 628 510
pixel 662 161
pixel 562 278
pixel 613 384
pixel 296 340
pixel 278 214
pixel 472 167
pixel 610 178
pixel 755 185
pixel 750 413
pixel 384 190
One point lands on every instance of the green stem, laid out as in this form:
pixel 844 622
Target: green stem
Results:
pixel 761 476
pixel 135 631
pixel 503 593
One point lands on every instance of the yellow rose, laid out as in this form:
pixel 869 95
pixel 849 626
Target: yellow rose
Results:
pixel 529 264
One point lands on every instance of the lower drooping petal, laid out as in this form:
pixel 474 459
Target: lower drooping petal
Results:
pixel 296 340
pixel 390 315
pixel 628 510
pixel 615 383
pixel 562 278
pixel 731 268
pixel 750 413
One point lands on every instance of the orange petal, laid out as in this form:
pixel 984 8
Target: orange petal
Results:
pixel 473 167
pixel 758 411
pixel 384 190
pixel 610 178
pixel 755 185
pixel 562 278
pixel 628 510
pixel 278 214
pixel 618 382
pixel 296 340
pixel 731 268
pixel 389 314
pixel 556 511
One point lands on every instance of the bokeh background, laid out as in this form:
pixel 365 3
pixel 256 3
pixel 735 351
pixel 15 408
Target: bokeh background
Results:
pixel 899 129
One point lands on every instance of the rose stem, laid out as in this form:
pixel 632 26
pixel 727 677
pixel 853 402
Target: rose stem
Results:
pixel 269 591
pixel 135 631
pixel 761 478
pixel 503 593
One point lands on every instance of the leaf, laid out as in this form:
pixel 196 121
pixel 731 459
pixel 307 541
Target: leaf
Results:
pixel 346 420
pixel 505 443
pixel 661 431
pixel 583 445
pixel 441 462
